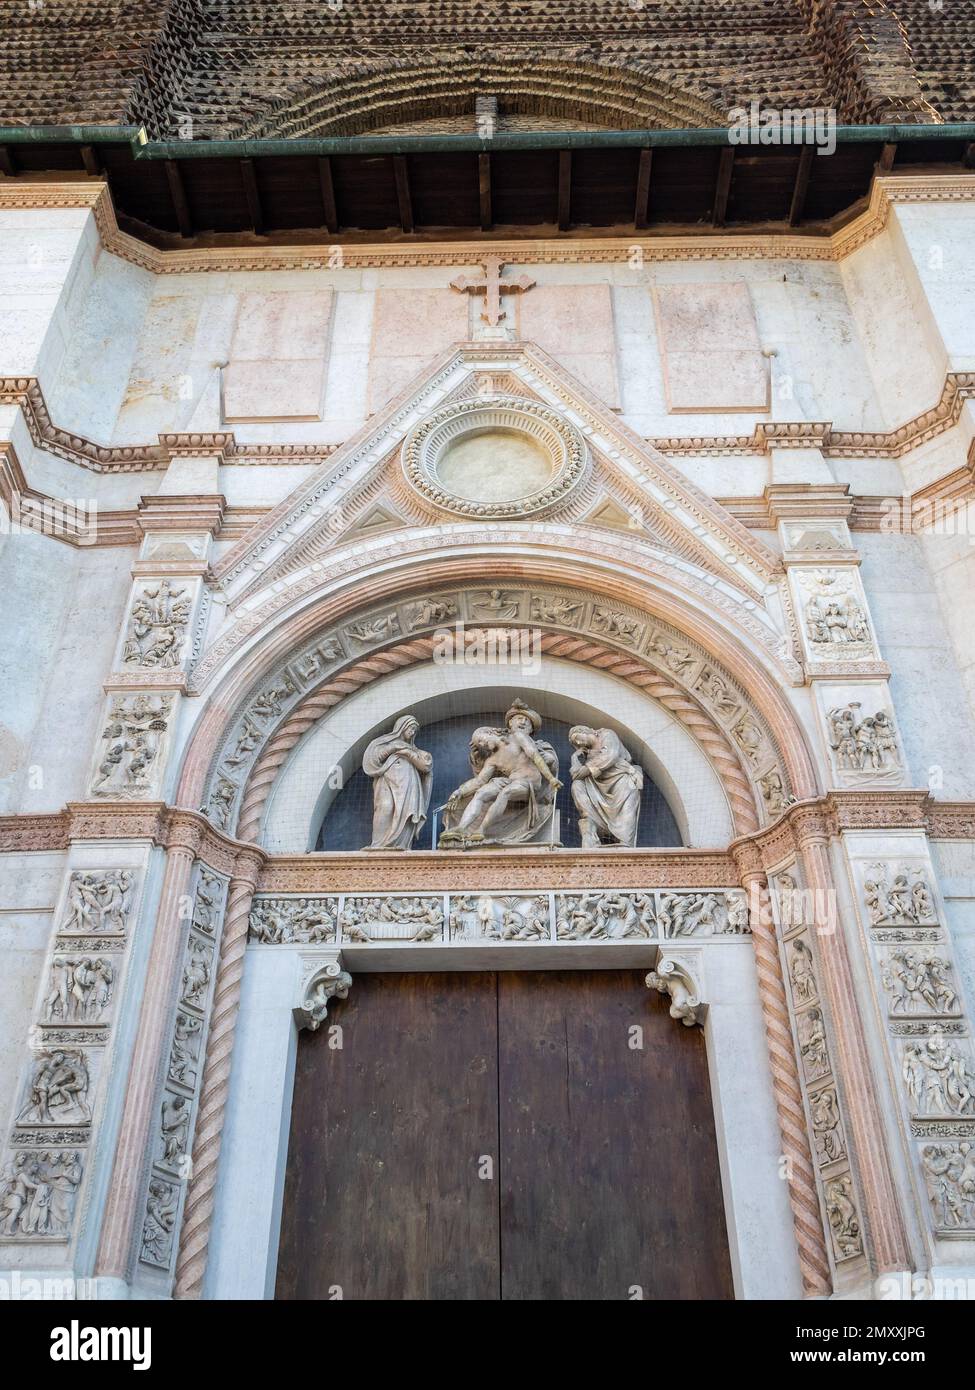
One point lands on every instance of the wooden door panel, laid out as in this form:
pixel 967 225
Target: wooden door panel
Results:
pixel 609 1167
pixel 382 1196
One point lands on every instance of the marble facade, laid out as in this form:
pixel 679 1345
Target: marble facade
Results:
pixel 269 570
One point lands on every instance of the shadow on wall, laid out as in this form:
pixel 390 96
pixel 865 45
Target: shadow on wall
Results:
pixel 348 823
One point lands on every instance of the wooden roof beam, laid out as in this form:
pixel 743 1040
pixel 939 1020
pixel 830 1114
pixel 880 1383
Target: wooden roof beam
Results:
pixel 177 193
pixel 641 210
pixel 252 194
pixel 565 189
pixel 484 191
pixel 329 211
pixel 801 186
pixel 401 171
pixel 722 187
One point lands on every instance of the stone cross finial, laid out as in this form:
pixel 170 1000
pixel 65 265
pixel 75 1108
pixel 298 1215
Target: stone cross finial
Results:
pixel 492 287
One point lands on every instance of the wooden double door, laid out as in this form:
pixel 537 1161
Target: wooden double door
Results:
pixel 543 1135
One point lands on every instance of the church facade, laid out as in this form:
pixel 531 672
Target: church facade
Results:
pixel 487 723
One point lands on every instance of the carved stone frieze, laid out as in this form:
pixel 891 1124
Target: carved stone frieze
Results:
pixel 834 617
pixel 497 917
pixel 391 918
pixel 284 921
pixel 702 914
pixel 612 916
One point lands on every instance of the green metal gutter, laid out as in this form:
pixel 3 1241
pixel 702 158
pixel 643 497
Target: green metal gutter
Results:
pixel 143 148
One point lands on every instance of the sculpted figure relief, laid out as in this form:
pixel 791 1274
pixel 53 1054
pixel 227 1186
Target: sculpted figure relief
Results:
pixel 157 626
pixel 510 799
pixel 57 1092
pixel 606 786
pixel 37 1193
pixel 402 781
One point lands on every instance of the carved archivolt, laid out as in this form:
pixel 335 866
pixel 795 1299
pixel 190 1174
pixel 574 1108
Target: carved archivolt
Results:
pixel 618 638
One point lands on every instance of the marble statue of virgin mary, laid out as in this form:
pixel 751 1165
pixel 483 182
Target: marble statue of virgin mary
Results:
pixel 402 779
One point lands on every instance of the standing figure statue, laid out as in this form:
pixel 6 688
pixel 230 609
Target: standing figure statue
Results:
pixel 510 800
pixel 402 779
pixel 606 787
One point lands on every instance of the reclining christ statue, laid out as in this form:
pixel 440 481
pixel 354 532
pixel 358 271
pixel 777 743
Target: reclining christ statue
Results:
pixel 510 800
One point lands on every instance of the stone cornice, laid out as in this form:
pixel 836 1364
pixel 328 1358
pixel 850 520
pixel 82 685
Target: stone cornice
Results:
pixel 446 871
pixel 767 435
pixel 832 246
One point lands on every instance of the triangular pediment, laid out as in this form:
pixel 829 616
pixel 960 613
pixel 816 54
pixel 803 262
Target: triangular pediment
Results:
pixel 363 489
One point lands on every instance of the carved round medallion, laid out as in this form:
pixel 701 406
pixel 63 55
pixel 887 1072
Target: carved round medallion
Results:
pixel 495 457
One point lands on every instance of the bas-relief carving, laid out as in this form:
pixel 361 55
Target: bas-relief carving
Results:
pixel 939 1076
pixel 131 741
pixel 156 629
pixel 183 1070
pixel 402 779
pixel 491 917
pixel 834 619
pixel 80 990
pixel 431 611
pixel 919 982
pixel 365 919
pixel 197 972
pixel 864 746
pixel 377 629
pixel 844 1222
pixel 57 1090
pixel 97 902
pixel 949 1174
pixel 827 1127
pixel 174 1125
pixel 610 622
pixel 494 606
pixel 813 1048
pixel 898 894
pixel 510 799
pixel 184 1054
pixel 283 921
pixel 702 914
pixel 160 1221
pixel 38 1193
pixel 612 916
pixel 557 609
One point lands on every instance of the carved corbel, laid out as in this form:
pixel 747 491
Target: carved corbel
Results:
pixel 673 976
pixel 325 982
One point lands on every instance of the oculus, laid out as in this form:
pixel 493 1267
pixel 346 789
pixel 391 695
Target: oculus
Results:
pixel 495 457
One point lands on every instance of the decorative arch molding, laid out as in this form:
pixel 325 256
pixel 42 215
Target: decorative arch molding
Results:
pixel 712 740
pixel 718 689
pixel 396 93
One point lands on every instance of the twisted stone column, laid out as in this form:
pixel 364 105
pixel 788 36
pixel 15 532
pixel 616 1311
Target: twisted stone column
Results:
pixel 140 1097
pixel 807 1215
pixel 198 1209
pixel 885 1239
